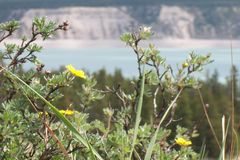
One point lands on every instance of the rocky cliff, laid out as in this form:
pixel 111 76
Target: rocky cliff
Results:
pixel 168 21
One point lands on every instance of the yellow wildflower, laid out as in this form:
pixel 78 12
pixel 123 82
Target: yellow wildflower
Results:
pixel 183 142
pixel 67 112
pixel 75 72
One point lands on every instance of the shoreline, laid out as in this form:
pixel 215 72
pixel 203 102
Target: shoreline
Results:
pixel 108 43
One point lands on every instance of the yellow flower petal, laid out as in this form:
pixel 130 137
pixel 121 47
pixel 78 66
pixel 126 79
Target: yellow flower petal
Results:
pixel 183 142
pixel 77 73
pixel 67 112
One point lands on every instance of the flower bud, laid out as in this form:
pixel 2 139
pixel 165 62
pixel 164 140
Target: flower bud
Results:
pixel 184 65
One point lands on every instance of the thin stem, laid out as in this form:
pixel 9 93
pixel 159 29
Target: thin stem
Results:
pixel 208 119
pixel 153 139
pixel 21 50
pixel 155 101
pixel 57 140
pixel 6 36
pixel 232 106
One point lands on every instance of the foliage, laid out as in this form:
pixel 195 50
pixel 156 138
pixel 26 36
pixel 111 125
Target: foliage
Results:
pixel 32 127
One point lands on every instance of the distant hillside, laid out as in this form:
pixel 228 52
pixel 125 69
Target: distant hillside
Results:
pixel 108 19
pixel 26 4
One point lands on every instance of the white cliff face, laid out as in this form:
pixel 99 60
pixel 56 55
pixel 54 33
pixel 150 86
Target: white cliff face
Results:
pixel 96 23
pixel 86 23
pixel 178 22
pixel 111 22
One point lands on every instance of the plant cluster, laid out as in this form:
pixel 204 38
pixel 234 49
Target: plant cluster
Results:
pixel 32 127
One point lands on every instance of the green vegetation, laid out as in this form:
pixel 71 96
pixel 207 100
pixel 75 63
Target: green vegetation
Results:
pixel 189 112
pixel 71 115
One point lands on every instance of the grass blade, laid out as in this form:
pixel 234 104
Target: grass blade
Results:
pixel 153 139
pixel 203 153
pixel 139 110
pixel 237 143
pixel 59 115
pixel 224 138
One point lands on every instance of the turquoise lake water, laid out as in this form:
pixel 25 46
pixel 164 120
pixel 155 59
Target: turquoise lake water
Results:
pixel 92 59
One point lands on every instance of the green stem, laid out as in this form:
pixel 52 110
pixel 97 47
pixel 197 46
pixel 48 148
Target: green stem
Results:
pixel 139 110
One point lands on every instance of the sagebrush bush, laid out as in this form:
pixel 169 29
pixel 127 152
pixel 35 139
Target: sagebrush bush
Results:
pixel 33 128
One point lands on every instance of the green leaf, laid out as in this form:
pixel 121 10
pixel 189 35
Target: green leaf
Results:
pixel 10 26
pixel 44 27
pixel 34 48
pixel 126 37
